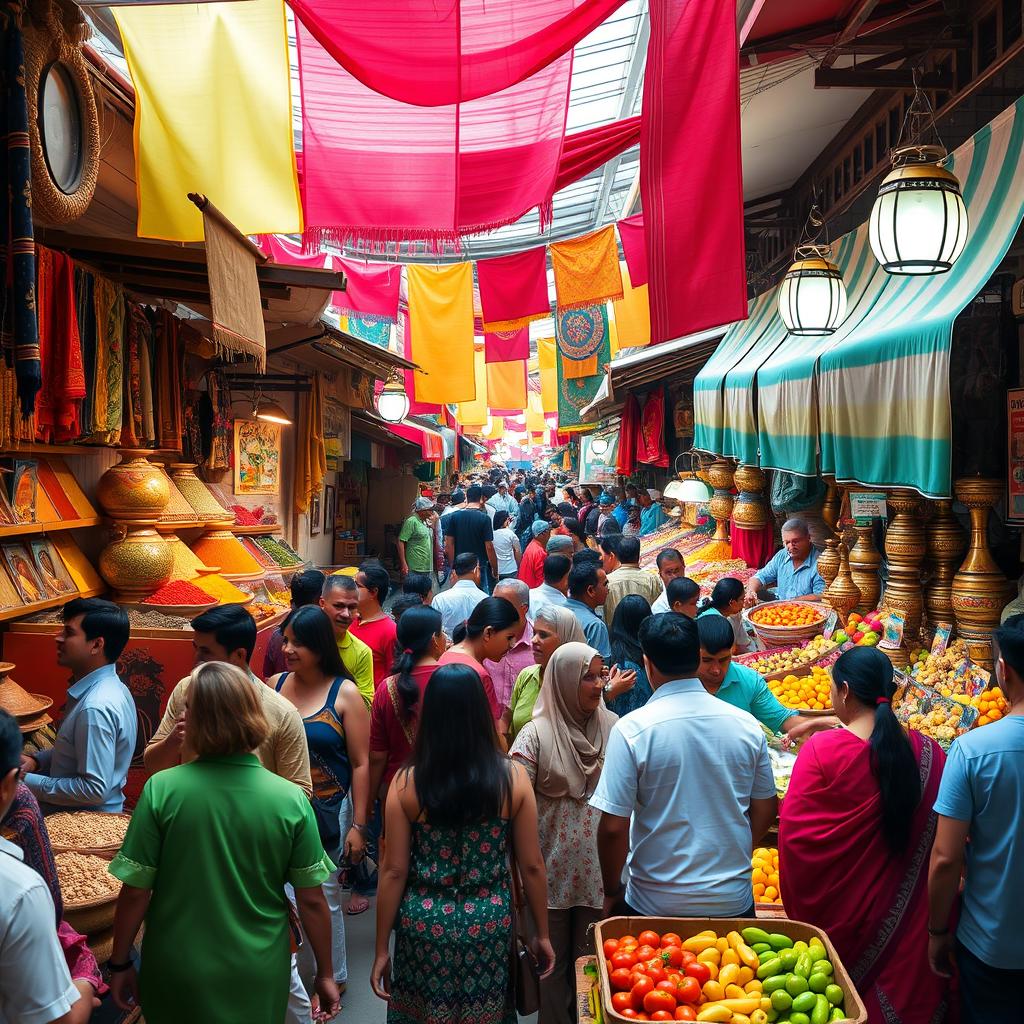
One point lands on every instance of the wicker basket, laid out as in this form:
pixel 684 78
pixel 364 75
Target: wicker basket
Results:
pixel 92 916
pixel 106 852
pixel 781 636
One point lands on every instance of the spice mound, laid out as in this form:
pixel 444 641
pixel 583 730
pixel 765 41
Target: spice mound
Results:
pixel 180 592
pixel 220 589
pixel 84 878
pixel 224 549
pixel 85 829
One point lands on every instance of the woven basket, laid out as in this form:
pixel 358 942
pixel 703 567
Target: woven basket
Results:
pixel 781 636
pixel 106 852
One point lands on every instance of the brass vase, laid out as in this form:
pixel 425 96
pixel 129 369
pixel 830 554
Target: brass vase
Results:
pixel 905 549
pixel 979 589
pixel 832 507
pixel 828 561
pixel 134 488
pixel 865 561
pixel 842 593
pixel 750 511
pixel 720 476
pixel 946 543
pixel 137 561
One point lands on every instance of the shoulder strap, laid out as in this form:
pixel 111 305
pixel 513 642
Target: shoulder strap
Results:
pixel 396 703
pixel 280 681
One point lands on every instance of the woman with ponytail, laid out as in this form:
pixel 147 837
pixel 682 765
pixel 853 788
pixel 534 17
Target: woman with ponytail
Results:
pixel 855 833
pixel 727 600
pixel 394 713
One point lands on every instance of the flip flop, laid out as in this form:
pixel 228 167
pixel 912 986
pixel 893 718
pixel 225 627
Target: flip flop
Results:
pixel 357 905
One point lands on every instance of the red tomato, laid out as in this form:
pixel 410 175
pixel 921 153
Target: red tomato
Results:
pixel 699 971
pixel 630 1013
pixel 661 1015
pixel 621 959
pixel 672 955
pixel 649 938
pixel 642 987
pixel 671 939
pixel 627 940
pixel 642 1016
pixel 688 957
pixel 658 1000
pixel 685 1013
pixel 655 971
pixel 622 1001
pixel 610 946
pixel 668 986
pixel 621 980
pixel 646 951
pixel 688 990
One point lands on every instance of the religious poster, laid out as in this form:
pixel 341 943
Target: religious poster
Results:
pixel 1015 450
pixel 257 457
pixel 23 490
pixel 51 569
pixel 24 575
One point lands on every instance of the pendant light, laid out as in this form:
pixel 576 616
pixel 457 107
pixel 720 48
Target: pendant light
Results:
pixel 393 402
pixel 812 296
pixel 599 446
pixel 919 222
pixel 271 412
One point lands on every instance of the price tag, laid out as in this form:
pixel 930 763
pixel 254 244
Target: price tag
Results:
pixel 893 632
pixel 867 505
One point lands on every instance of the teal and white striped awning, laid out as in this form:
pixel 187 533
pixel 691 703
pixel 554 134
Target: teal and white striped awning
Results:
pixel 870 403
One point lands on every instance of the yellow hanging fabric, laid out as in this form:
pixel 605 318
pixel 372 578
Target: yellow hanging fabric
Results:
pixel 475 412
pixel 506 385
pixel 441 323
pixel 632 314
pixel 311 456
pixel 535 415
pixel 548 374
pixel 213 115
pixel 497 430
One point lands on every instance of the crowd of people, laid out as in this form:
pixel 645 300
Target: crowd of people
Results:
pixel 576 728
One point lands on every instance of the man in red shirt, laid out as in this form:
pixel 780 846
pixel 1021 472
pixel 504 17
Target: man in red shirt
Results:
pixel 375 627
pixel 531 568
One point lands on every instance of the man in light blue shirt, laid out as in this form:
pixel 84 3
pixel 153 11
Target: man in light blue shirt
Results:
pixel 686 791
pixel 981 797
pixel 552 590
pixel 457 603
pixel 793 570
pixel 89 761
pixel 588 588
pixel 503 501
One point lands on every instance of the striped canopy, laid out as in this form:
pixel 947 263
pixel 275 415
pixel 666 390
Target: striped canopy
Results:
pixel 870 403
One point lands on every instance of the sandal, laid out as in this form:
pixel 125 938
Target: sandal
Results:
pixel 357 905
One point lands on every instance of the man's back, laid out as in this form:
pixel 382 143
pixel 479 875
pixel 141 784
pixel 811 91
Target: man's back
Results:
pixel 686 766
pixel 470 529
pixel 630 579
pixel 456 604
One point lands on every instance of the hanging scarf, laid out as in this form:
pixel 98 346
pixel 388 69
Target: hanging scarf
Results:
pixel 571 741
pixel 170 364
pixel 85 311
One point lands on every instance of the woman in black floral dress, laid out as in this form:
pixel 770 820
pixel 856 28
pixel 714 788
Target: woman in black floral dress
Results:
pixel 444 884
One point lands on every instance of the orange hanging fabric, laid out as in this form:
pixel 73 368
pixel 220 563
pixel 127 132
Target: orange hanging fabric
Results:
pixel 633 314
pixel 506 386
pixel 587 269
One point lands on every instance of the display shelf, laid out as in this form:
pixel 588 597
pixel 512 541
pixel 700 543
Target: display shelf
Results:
pixel 256 531
pixel 6 614
pixel 52 526
pixel 35 448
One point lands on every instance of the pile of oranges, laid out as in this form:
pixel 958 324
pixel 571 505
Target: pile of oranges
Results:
pixel 766 875
pixel 805 693
pixel 991 705
pixel 794 613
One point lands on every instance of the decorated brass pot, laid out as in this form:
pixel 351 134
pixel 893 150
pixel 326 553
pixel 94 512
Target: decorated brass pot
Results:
pixel 134 488
pixel 946 543
pixel 137 561
pixel 750 511
pixel 865 561
pixel 842 593
pixel 832 506
pixel 828 561
pixel 720 476
pixel 905 548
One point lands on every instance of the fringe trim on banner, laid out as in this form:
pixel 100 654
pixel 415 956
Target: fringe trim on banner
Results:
pixel 497 326
pixel 368 318
pixel 229 343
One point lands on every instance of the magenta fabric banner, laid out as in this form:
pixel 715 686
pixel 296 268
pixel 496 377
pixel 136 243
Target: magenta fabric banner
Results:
pixel 371 291
pixel 585 151
pixel 634 247
pixel 692 193
pixel 513 291
pixel 507 346
pixel 432 54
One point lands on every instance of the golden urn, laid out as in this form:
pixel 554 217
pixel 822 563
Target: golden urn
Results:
pixel 828 561
pixel 946 544
pixel 865 561
pixel 842 593
pixel 137 561
pixel 750 511
pixel 905 549
pixel 134 488
pixel 720 476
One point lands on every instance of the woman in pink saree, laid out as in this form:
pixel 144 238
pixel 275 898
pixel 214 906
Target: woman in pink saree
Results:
pixel 855 834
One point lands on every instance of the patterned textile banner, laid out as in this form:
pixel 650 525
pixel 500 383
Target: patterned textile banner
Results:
pixel 574 394
pixel 584 344
pixel 587 269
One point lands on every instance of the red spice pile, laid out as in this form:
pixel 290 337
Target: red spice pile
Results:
pixel 180 592
pixel 247 517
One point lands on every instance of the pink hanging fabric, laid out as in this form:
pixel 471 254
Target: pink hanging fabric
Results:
pixel 513 291
pixel 507 346
pixel 692 194
pixel 585 151
pixel 371 292
pixel 281 249
pixel 634 247
pixel 431 54
pixel 376 170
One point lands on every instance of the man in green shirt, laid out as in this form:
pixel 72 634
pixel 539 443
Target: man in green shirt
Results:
pixel 744 688
pixel 340 600
pixel 416 539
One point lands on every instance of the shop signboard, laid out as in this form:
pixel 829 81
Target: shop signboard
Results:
pixel 867 505
pixel 598 469
pixel 1015 450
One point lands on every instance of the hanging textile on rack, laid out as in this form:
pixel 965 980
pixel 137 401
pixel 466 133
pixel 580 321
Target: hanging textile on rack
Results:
pixel 131 420
pixel 221 440
pixel 513 290
pixel 629 436
pixel 19 330
pixel 506 387
pixel 587 269
pixel 170 366
pixel 584 344
pixel 371 290
pixel 650 447
pixel 85 313
pixel 376 332
pixel 504 346
pixel 634 247
pixel 632 314
pixel 573 396
pixel 311 461
pixel 146 385
pixel 59 401
pixel 546 362
pixel 109 373
pixel 475 412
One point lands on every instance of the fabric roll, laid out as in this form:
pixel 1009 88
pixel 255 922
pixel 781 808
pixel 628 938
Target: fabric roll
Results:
pixel 587 269
pixel 514 290
pixel 506 386
pixel 85 312
pixel 311 463
pixel 505 346
pixel 632 314
pixel 634 247
pixel 170 362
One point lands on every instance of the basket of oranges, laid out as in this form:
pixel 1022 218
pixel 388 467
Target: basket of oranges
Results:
pixel 787 622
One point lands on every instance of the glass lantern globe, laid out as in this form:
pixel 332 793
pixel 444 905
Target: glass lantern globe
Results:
pixel 599 445
pixel 919 223
pixel 812 296
pixel 393 402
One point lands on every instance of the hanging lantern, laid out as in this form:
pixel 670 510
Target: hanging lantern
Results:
pixel 393 402
pixel 919 222
pixel 599 446
pixel 812 296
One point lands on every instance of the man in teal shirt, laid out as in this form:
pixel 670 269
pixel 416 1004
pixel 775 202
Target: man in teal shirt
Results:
pixel 652 516
pixel 743 687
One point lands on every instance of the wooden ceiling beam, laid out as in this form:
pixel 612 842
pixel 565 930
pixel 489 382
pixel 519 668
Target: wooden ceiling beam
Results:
pixel 898 78
pixel 862 10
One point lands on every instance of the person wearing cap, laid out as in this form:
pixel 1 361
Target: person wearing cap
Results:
pixel 416 539
pixel 502 501
pixel 531 568
pixel 652 516
pixel 597 517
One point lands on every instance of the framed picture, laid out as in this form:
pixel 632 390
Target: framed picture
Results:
pixel 50 568
pixel 314 515
pixel 7 516
pixel 257 457
pixel 330 505
pixel 23 573
pixel 24 486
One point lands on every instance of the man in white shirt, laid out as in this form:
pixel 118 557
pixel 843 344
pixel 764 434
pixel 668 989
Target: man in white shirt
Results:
pixel 671 565
pixel 555 586
pixel 35 984
pixel 457 603
pixel 503 501
pixel 688 856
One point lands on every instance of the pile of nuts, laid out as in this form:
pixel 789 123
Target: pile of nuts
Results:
pixel 84 830
pixel 84 878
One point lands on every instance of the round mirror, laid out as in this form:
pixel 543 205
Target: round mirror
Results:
pixel 60 123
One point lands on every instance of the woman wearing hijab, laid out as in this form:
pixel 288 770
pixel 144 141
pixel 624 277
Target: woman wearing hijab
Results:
pixel 855 834
pixel 562 749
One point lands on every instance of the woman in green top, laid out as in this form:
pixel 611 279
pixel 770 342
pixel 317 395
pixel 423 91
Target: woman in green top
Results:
pixel 727 600
pixel 208 851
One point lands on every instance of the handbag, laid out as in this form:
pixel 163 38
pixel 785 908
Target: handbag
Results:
pixel 524 971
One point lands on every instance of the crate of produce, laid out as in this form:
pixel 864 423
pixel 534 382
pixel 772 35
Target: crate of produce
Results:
pixel 805 693
pixel 791 659
pixel 93 832
pixel 728 980
pixel 787 622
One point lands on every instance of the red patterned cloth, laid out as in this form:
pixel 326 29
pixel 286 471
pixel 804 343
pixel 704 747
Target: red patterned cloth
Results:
pixel 651 441
pixel 514 290
pixel 629 436
pixel 755 547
